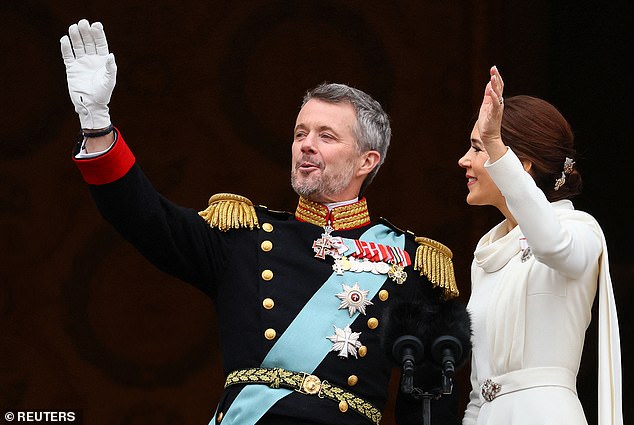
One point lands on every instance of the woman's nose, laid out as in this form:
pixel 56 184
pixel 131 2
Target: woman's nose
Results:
pixel 464 161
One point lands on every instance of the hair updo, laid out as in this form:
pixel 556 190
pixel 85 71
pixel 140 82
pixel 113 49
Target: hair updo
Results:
pixel 537 132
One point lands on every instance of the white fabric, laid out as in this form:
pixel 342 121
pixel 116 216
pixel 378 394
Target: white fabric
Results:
pixel 91 72
pixel 333 205
pixel 82 154
pixel 535 313
pixel 522 379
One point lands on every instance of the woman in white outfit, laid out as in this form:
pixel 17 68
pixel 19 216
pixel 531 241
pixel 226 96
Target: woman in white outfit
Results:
pixel 535 275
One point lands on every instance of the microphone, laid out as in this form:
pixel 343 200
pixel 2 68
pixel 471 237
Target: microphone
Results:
pixel 409 350
pixel 445 350
pixel 443 329
pixel 428 339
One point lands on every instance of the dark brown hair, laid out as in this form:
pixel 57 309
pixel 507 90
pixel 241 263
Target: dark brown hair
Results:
pixel 537 132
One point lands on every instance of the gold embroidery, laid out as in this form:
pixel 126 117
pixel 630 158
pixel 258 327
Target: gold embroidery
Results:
pixel 342 218
pixel 276 378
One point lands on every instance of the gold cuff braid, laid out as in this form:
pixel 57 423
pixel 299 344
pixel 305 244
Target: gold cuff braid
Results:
pixel 433 259
pixel 228 211
pixel 306 384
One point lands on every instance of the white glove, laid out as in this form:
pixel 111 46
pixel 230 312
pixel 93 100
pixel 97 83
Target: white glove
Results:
pixel 91 72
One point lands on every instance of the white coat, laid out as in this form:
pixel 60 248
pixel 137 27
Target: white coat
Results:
pixel 531 299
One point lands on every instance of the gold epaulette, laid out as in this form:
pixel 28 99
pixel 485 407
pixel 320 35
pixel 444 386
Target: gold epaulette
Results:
pixel 433 259
pixel 228 211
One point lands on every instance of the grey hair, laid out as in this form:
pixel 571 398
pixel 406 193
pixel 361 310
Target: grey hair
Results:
pixel 372 130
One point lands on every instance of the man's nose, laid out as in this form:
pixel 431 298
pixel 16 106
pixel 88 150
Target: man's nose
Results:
pixel 308 144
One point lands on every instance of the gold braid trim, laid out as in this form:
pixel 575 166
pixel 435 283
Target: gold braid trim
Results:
pixel 276 378
pixel 350 216
pixel 228 211
pixel 341 218
pixel 433 259
pixel 311 212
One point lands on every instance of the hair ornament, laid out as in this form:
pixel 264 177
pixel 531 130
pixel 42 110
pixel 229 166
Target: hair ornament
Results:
pixel 568 166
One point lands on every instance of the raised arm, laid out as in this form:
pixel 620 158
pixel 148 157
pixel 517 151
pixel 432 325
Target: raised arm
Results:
pixel 91 74
pixel 490 116
pixel 176 239
pixel 567 246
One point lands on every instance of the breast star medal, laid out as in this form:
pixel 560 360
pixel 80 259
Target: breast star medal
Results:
pixel 353 298
pixel 345 341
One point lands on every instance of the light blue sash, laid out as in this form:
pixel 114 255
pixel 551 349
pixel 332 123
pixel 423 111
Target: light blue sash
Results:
pixel 304 344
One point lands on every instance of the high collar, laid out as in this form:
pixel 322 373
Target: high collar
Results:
pixel 344 217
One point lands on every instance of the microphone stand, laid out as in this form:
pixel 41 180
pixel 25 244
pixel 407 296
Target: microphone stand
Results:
pixel 427 397
pixel 445 350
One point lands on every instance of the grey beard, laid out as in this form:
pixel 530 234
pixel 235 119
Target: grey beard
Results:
pixel 328 185
pixel 304 189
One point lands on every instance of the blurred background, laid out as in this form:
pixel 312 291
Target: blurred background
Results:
pixel 207 95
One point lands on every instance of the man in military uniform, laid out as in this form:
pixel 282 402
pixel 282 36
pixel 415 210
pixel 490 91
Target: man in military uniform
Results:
pixel 301 297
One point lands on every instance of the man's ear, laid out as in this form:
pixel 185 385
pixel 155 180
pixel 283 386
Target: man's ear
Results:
pixel 369 160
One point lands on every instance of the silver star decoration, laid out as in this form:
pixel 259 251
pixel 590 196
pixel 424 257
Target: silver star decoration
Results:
pixel 345 341
pixel 353 298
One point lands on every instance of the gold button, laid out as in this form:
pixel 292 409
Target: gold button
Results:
pixel 383 295
pixel 270 334
pixel 343 406
pixel 267 275
pixel 268 303
pixel 267 227
pixel 373 323
pixel 352 380
pixel 363 350
pixel 219 417
pixel 266 246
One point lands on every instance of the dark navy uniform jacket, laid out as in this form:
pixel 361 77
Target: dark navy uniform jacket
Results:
pixel 259 280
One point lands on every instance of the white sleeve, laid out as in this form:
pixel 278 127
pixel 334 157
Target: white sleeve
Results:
pixel 568 247
pixel 82 154
pixel 473 407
